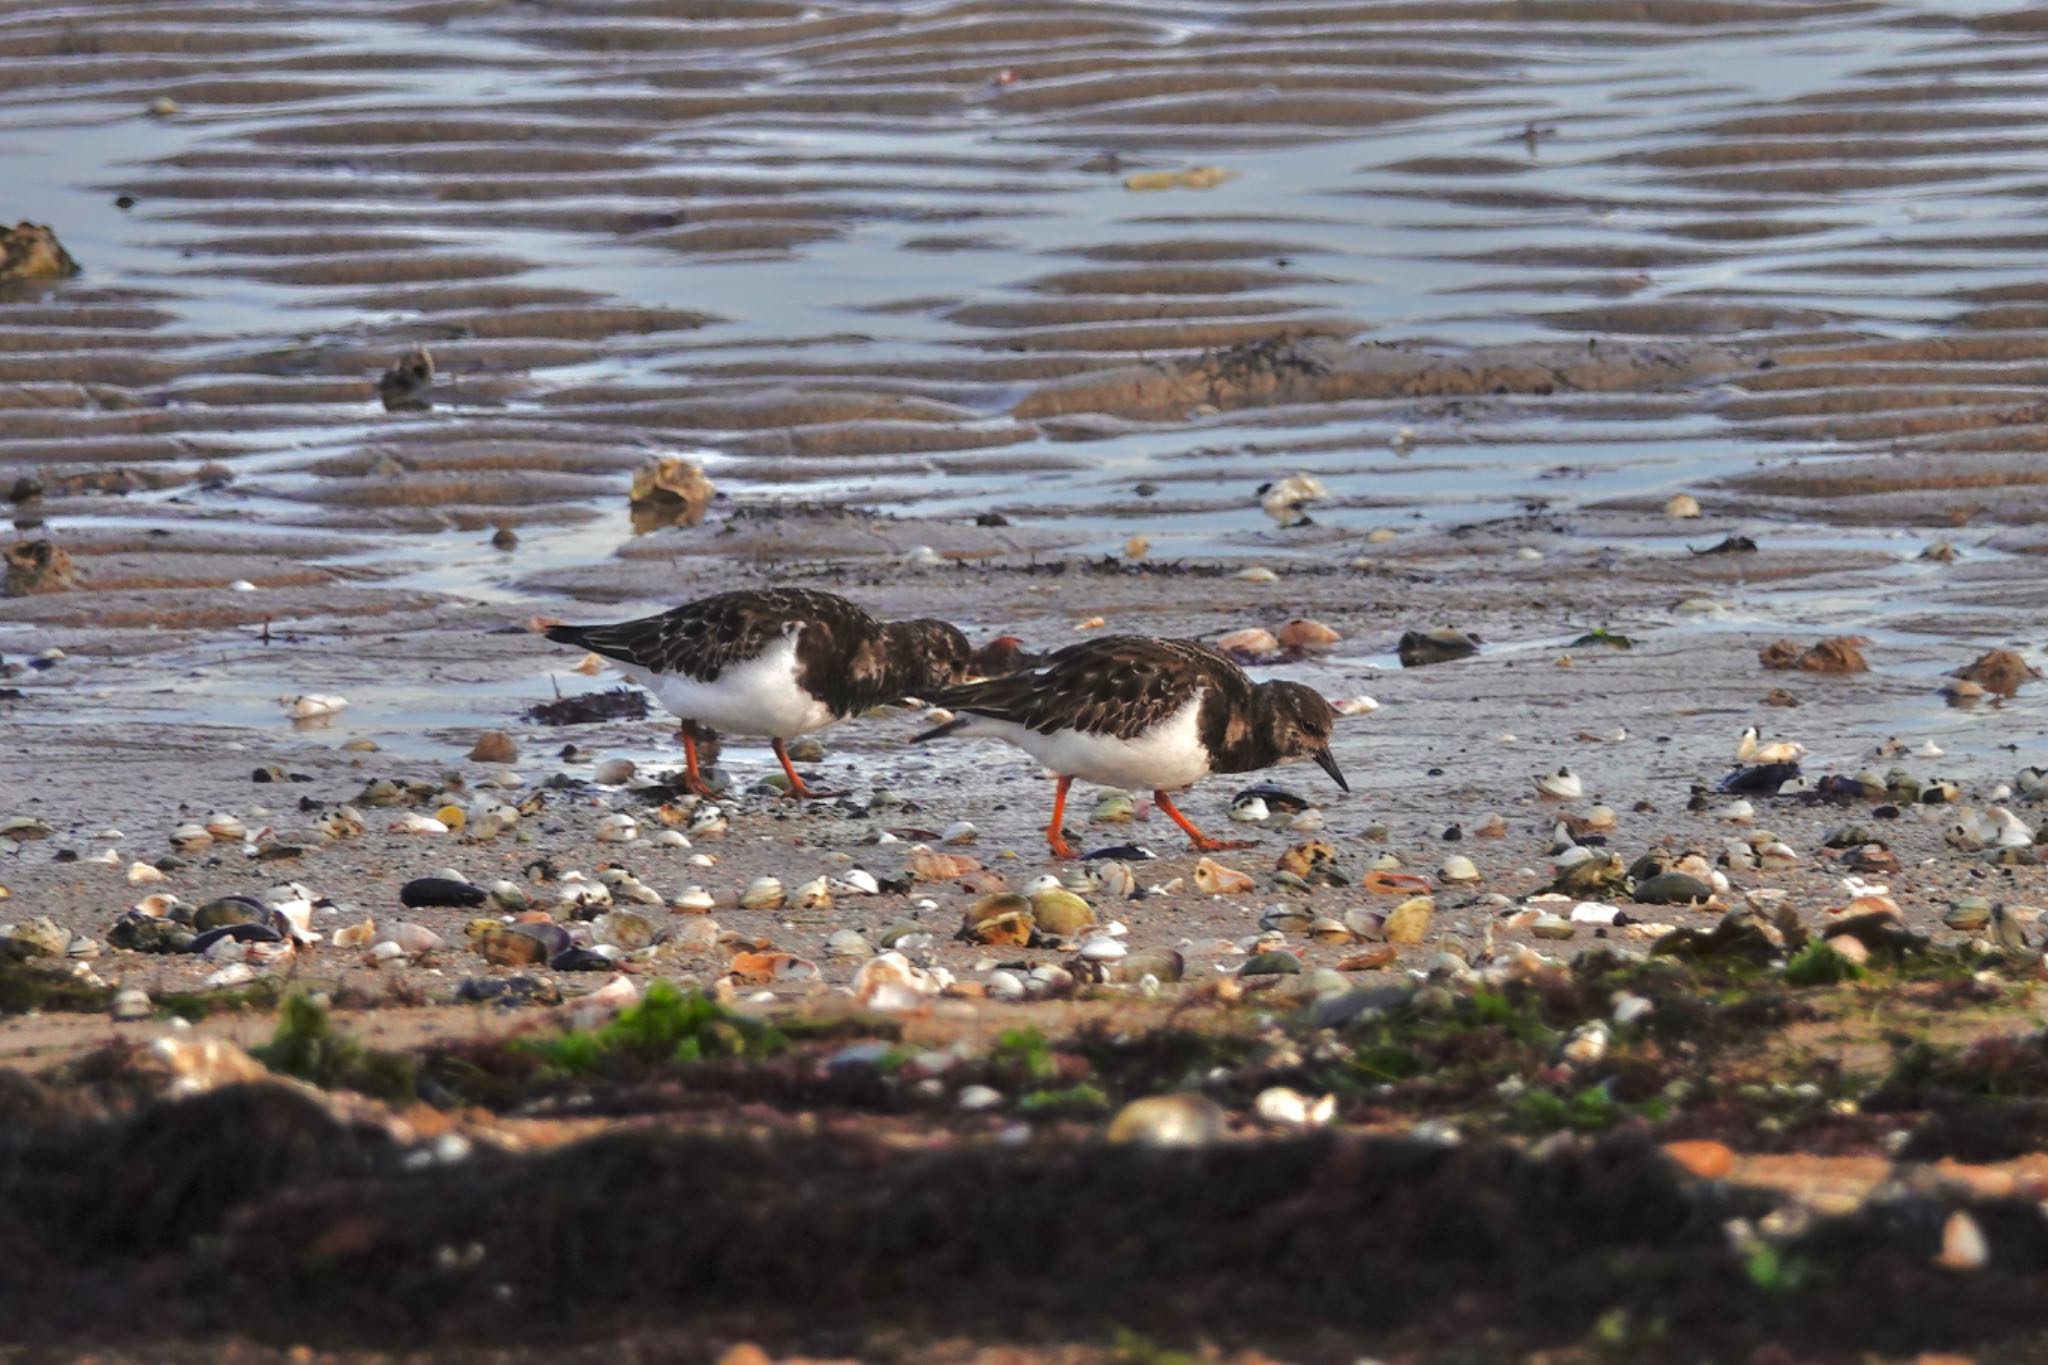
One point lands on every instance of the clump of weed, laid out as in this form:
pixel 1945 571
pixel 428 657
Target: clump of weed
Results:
pixel 24 988
pixel 1818 964
pixel 258 997
pixel 666 1025
pixel 308 1046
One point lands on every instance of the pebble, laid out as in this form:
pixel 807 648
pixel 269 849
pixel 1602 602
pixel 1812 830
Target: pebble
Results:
pixel 975 1098
pixel 131 1002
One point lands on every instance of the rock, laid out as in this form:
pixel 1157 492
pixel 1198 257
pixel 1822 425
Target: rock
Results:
pixel 30 251
pixel 495 747
pixel 1419 649
pixel 404 387
pixel 40 937
pixel 38 566
pixel 1408 922
pixel 131 1002
pixel 668 491
pixel 1998 671
pixel 1180 1120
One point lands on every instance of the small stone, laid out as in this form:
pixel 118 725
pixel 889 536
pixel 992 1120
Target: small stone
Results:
pixel 130 1002
pixel 495 747
pixel 1963 1245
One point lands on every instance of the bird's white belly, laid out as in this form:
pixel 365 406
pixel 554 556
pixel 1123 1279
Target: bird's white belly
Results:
pixel 759 697
pixel 1169 756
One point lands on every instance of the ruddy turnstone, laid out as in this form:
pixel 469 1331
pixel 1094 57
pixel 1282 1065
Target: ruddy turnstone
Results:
pixel 1131 711
pixel 779 662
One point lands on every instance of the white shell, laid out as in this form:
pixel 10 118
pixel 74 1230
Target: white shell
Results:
pixel 1737 812
pixel 412 822
pixel 959 832
pixel 1285 1108
pixel 144 872
pixel 763 893
pixel 1458 868
pixel 668 838
pixel 617 829
pixel 1249 811
pixel 313 705
pixel 222 825
pixel 1360 705
pixel 234 974
pixel 1103 948
pixel 695 900
pixel 613 772
pixel 815 894
pixel 1562 785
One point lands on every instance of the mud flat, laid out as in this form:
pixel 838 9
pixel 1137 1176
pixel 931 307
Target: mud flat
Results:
pixel 1007 317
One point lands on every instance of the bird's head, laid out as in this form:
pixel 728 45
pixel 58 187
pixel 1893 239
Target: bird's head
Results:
pixel 1296 722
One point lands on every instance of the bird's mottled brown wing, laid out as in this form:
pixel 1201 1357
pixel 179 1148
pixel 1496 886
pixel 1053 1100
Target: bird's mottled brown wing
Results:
pixel 702 639
pixel 1119 685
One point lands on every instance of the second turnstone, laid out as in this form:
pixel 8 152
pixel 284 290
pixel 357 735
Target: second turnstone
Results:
pixel 1132 711
pixel 777 662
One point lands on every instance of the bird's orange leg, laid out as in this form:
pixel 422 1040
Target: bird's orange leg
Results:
pixel 1054 835
pixel 1202 842
pixel 693 780
pixel 797 788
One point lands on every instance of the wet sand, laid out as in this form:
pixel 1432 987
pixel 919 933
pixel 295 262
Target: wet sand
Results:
pixel 1504 280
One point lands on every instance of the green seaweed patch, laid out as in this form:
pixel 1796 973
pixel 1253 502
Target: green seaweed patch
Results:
pixel 258 997
pixel 1083 1100
pixel 1603 636
pixel 308 1046
pixel 666 1026
pixel 24 988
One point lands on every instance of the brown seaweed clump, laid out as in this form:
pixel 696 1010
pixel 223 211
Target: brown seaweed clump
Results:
pixel 668 491
pixel 1836 654
pixel 38 566
pixel 1999 671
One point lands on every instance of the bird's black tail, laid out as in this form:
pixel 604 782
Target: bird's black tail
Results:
pixel 941 731
pixel 570 635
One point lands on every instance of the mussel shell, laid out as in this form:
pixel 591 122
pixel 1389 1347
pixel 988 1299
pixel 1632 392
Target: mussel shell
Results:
pixel 428 892
pixel 224 910
pixel 243 933
pixel 574 959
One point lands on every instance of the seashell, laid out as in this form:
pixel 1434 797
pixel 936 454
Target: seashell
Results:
pixel 579 896
pixel 1930 750
pixel 1284 499
pixel 315 706
pixel 345 823
pixel 139 871
pixel 1600 818
pixel 1253 642
pixel 859 882
pixel 1360 705
pixel 1305 821
pixel 848 943
pixel 1683 506
pixel 1104 948
pixel 234 974
pixel 764 969
pixel 1323 929
pixel 22 828
pixel 1214 879
pixel 1137 547
pixel 1382 882
pixel 157 906
pixel 1738 812
pixel 1963 1244
pixel 1586 1045
pixel 815 894
pixel 625 930
pixel 494 747
pixel 1117 881
pixel 1672 888
pixel 694 900
pixel 959 832
pixel 1059 911
pixel 889 982
pixel 668 838
pixel 1458 869
pixel 1548 926
pixel 222 825
pixel 1408 922
pixel 590 665
pixel 1005 985
pixel 1115 808
pixel 1177 1120
pixel 1272 962
pixel 613 772
pixel 1249 809
pixel 414 823
pixel 518 945
pixel 106 858
pixel 1307 636
pixel 187 839
pixel 1562 785
pixel 762 893
pixel 1257 573
pixel 441 891
pixel 928 866
pixel 356 935
pixel 412 939
pixel 129 1003
pixel 1002 919
pixel 1285 1108
pixel 617 829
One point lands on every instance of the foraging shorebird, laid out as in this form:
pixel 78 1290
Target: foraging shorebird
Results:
pixel 1131 711
pixel 777 662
